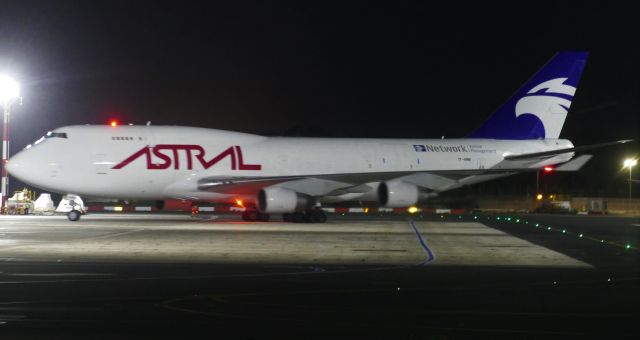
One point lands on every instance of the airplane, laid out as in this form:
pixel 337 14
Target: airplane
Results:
pixel 297 176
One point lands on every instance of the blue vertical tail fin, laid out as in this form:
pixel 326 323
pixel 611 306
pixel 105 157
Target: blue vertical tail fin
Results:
pixel 538 109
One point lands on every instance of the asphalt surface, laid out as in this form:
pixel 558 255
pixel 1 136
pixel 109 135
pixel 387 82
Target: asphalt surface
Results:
pixel 175 238
pixel 414 296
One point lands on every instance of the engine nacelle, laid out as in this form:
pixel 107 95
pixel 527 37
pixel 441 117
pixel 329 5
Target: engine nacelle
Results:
pixel 397 194
pixel 280 200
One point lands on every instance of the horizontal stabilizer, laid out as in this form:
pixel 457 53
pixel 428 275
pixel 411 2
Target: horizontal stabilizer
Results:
pixel 575 164
pixel 547 154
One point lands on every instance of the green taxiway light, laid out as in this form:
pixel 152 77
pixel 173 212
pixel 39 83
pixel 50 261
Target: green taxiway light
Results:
pixel 628 246
pixel 518 221
pixel 580 235
pixel 564 231
pixel 548 228
pixel 537 225
pixel 498 218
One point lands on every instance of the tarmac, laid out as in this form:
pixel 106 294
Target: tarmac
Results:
pixel 357 276
pixel 182 239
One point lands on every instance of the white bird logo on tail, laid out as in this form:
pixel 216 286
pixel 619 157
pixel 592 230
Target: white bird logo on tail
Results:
pixel 551 110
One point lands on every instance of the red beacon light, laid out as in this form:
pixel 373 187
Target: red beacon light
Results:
pixel 548 169
pixel 113 123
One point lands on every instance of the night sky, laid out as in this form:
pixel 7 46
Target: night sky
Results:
pixel 394 69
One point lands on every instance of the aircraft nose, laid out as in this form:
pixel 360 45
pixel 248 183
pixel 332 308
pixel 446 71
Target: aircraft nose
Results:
pixel 18 165
pixel 36 167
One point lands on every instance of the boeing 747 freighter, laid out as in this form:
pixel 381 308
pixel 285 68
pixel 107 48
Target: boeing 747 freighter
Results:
pixel 297 176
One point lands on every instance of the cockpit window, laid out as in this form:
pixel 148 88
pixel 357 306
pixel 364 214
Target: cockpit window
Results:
pixel 55 135
pixel 49 134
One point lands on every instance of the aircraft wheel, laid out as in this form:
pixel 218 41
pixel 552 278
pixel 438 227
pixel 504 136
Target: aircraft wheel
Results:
pixel 73 215
pixel 321 217
pixel 308 217
pixel 286 217
pixel 298 217
pixel 316 216
pixel 250 216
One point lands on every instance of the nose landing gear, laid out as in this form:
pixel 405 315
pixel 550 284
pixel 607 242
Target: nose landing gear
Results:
pixel 74 215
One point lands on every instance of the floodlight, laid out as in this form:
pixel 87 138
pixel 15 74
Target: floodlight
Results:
pixel 9 89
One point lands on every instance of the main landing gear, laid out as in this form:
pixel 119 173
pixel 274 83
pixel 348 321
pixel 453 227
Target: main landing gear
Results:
pixel 254 215
pixel 312 216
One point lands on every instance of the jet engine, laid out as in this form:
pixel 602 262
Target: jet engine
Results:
pixel 280 200
pixel 397 194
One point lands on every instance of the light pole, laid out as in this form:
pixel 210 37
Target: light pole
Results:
pixel 9 94
pixel 630 163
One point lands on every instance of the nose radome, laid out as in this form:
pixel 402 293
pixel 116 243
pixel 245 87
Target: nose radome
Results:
pixel 30 166
pixel 16 166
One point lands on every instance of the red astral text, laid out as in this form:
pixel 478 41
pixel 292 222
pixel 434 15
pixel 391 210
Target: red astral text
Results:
pixel 163 156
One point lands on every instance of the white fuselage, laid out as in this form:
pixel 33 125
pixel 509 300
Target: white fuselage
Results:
pixel 158 162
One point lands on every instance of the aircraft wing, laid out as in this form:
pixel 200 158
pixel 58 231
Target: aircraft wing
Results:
pixel 342 184
pixel 313 185
pixel 359 183
pixel 240 185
